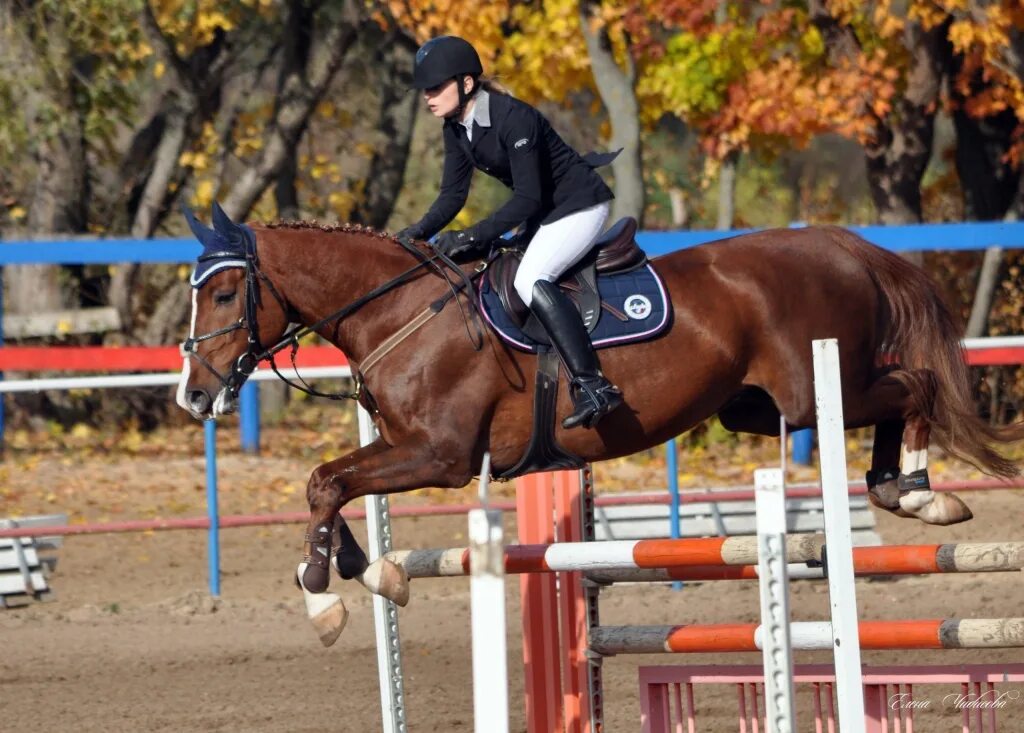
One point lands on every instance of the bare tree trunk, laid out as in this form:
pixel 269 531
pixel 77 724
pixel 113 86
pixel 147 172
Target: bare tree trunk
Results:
pixel 727 191
pixel 991 187
pixel 193 98
pixel 984 293
pixel 680 212
pixel 286 196
pixel 397 105
pixel 901 147
pixel 899 154
pixel 301 87
pixel 617 87
pixel 56 126
pixel 793 177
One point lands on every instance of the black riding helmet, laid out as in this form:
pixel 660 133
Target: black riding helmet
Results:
pixel 444 58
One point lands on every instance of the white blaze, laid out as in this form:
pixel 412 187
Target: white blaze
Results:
pixel 187 366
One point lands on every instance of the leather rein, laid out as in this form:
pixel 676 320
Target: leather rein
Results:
pixel 254 353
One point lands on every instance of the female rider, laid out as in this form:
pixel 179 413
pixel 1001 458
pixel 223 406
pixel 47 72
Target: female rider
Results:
pixel 555 193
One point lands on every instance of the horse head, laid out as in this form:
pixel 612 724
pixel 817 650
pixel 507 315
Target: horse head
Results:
pixel 230 321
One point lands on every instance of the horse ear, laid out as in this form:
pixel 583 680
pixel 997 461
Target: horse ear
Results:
pixel 223 225
pixel 204 234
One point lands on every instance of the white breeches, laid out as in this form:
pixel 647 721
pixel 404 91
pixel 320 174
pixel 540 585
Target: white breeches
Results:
pixel 558 246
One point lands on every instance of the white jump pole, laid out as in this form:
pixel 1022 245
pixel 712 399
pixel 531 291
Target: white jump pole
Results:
pixel 770 503
pixel 385 612
pixel 487 602
pixel 828 400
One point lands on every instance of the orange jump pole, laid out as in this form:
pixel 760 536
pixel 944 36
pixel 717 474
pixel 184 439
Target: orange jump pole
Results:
pixel 996 633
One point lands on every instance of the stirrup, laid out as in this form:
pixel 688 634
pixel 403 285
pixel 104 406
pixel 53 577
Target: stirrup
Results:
pixel 593 398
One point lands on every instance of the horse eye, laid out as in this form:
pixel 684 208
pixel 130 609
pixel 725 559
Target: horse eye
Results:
pixel 223 298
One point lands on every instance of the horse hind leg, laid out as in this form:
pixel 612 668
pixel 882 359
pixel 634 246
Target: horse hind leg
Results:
pixel 883 477
pixel 898 479
pixel 916 497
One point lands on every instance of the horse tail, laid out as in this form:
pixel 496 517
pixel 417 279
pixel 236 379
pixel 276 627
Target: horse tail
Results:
pixel 921 333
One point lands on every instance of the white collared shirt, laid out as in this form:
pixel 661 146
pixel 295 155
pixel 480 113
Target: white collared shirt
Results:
pixel 479 113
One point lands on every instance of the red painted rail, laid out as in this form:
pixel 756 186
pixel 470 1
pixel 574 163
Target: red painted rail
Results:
pixel 253 520
pixel 133 358
pixel 168 358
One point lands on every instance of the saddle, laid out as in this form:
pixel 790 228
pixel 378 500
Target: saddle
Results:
pixel 615 251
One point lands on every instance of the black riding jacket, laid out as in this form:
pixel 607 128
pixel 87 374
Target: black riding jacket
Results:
pixel 514 143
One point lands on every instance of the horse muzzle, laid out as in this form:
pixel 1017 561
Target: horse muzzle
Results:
pixel 203 406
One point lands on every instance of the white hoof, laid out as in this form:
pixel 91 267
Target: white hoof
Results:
pixel 326 610
pixel 935 508
pixel 387 579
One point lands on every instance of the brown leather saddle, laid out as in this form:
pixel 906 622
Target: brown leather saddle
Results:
pixel 614 251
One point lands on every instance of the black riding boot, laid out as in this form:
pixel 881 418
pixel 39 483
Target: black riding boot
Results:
pixel 593 396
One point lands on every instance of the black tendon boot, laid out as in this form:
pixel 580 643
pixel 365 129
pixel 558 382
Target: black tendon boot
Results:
pixel 593 396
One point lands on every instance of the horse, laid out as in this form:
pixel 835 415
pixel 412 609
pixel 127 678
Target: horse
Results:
pixel 444 389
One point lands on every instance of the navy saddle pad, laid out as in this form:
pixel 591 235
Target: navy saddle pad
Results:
pixel 637 297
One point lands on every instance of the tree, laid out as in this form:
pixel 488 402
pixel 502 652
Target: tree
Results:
pixel 551 51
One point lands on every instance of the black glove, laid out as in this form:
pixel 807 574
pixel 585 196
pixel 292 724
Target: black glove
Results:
pixel 453 243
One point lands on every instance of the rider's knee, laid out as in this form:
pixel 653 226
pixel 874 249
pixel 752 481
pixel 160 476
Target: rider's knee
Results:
pixel 524 283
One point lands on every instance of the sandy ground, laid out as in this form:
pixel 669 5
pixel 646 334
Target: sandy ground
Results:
pixel 132 641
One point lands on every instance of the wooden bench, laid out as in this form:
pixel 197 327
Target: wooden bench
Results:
pixel 25 562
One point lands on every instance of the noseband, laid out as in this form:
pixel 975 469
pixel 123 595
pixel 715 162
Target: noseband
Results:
pixel 254 353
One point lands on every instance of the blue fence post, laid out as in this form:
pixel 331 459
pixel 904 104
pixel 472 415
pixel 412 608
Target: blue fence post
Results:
pixel 249 416
pixel 803 445
pixel 672 466
pixel 213 534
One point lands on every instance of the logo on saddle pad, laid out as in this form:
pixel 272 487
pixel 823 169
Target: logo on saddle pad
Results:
pixel 637 307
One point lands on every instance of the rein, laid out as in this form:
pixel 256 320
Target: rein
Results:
pixel 246 364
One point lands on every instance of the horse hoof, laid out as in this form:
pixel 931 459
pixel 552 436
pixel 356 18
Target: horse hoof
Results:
pixel 387 579
pixel 934 508
pixel 885 495
pixel 876 502
pixel 326 610
pixel 330 620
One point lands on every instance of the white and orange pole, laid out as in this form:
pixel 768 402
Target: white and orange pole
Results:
pixel 997 633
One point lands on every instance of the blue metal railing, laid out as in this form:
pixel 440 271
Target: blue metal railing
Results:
pixel 953 236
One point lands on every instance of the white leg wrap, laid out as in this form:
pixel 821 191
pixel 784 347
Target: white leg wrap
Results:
pixel 325 610
pixel 913 460
pixel 914 501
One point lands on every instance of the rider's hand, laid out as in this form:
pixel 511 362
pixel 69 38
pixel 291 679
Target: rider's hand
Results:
pixel 453 243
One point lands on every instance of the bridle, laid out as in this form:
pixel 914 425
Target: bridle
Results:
pixel 254 352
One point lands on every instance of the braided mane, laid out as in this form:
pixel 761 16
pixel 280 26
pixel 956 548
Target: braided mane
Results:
pixel 341 228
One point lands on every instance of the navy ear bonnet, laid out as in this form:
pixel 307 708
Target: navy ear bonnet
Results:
pixel 224 246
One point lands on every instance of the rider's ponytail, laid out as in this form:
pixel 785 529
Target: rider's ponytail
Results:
pixel 492 86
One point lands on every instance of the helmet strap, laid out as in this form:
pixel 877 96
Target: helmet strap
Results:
pixel 464 97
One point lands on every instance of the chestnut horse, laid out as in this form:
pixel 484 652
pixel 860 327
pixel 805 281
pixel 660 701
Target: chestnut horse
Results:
pixel 745 311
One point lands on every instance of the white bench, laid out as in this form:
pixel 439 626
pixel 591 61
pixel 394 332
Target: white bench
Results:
pixel 25 562
pixel 724 518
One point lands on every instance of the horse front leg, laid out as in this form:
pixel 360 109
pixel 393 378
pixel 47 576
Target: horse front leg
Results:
pixel 326 611
pixel 374 469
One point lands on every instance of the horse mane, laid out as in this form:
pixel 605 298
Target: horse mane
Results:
pixel 330 228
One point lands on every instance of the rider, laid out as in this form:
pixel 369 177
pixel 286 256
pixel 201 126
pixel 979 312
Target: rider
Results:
pixel 555 193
